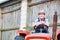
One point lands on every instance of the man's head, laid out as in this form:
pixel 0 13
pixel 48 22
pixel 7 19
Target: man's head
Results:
pixel 41 14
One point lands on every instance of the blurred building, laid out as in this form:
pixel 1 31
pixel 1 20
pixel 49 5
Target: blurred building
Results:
pixel 21 13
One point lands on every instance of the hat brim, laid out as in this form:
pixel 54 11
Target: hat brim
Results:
pixel 41 13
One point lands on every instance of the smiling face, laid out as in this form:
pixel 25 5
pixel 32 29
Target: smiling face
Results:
pixel 41 15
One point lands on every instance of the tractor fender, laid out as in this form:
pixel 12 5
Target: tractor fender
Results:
pixel 23 32
pixel 58 35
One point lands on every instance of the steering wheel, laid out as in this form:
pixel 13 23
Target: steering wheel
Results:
pixel 41 28
pixel 42 25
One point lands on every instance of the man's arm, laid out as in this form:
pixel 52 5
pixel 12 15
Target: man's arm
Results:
pixel 46 22
pixel 36 23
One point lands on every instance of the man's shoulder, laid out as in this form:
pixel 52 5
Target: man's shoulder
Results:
pixel 46 19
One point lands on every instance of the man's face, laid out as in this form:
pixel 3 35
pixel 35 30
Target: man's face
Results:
pixel 42 16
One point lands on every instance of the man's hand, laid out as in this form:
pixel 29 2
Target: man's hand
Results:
pixel 38 23
pixel 42 22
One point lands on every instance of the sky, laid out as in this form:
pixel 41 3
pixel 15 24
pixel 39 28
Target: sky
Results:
pixel 2 1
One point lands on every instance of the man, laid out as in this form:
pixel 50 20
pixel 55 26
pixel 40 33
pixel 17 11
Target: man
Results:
pixel 41 23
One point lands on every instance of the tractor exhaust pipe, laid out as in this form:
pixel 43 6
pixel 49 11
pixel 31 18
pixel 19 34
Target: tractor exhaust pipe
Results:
pixel 54 26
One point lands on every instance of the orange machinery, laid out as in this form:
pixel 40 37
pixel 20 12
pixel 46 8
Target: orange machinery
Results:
pixel 38 36
pixel 58 35
pixel 41 36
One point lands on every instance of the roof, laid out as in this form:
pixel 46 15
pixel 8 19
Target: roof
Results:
pixel 9 2
pixel 3 1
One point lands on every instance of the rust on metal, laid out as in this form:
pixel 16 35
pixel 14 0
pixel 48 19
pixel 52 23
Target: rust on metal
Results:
pixel 54 26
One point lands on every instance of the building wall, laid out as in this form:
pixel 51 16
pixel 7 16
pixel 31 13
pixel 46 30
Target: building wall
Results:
pixel 10 21
pixel 11 16
pixel 48 7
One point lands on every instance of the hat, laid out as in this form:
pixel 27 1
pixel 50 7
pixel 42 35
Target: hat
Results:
pixel 41 12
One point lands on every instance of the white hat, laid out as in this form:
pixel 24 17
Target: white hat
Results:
pixel 41 12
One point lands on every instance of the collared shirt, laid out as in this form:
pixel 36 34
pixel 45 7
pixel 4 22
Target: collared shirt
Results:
pixel 46 21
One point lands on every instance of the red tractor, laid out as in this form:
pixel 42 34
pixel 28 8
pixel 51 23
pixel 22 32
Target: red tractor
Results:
pixel 58 35
pixel 26 35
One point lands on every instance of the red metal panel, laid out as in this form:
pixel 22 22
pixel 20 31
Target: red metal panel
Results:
pixel 58 33
pixel 23 31
pixel 39 36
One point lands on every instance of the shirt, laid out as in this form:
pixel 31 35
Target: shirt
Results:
pixel 46 21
